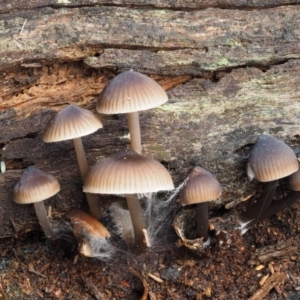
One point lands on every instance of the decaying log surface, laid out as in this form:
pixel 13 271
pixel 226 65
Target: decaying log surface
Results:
pixel 231 69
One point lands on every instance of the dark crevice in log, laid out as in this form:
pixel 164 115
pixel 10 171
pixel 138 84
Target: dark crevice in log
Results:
pixel 195 7
pixel 104 46
pixel 31 135
pixel 180 8
pixel 212 75
pixel 17 164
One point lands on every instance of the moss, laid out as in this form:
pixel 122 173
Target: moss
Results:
pixel 223 62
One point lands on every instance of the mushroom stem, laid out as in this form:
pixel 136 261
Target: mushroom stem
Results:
pixel 135 131
pixel 41 214
pixel 254 212
pixel 279 205
pixel 202 220
pixel 137 220
pixel 81 158
pixel 92 200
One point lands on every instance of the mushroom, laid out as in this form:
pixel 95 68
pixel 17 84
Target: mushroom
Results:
pixel 294 195
pixel 73 122
pixel 86 229
pixel 130 92
pixel 34 186
pixel 200 188
pixel 82 221
pixel 129 173
pixel 270 160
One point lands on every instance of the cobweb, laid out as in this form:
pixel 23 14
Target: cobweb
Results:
pixel 159 219
pixel 158 216
pixel 158 213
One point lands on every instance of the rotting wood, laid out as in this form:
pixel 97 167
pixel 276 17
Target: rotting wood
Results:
pixel 217 65
pixel 200 41
pixel 267 253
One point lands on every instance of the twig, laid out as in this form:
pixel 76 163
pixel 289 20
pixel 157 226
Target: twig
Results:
pixel 145 283
pixel 36 273
pixel 155 278
pixel 270 283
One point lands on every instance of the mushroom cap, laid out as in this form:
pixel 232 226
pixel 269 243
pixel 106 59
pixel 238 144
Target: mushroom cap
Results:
pixel 71 122
pixel 130 92
pixel 294 181
pixel 35 186
pixel 201 186
pixel 82 220
pixel 271 159
pixel 127 172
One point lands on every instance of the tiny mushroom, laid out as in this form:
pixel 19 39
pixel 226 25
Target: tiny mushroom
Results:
pixel 82 221
pixel 269 161
pixel 200 188
pixel 34 186
pixel 130 92
pixel 73 122
pixel 85 228
pixel 129 173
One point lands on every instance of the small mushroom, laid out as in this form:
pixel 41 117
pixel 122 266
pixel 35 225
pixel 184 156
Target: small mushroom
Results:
pixel 34 186
pixel 82 221
pixel 270 160
pixel 130 92
pixel 88 231
pixel 73 122
pixel 129 173
pixel 200 188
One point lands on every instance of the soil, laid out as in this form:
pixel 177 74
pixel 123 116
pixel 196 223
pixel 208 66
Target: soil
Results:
pixel 33 267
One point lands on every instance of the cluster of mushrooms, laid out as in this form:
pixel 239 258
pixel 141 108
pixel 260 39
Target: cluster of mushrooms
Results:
pixel 133 175
pixel 270 161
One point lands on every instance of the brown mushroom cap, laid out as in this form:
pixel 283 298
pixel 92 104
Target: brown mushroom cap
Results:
pixel 35 186
pixel 127 172
pixel 294 181
pixel 83 220
pixel 130 92
pixel 201 186
pixel 71 122
pixel 271 159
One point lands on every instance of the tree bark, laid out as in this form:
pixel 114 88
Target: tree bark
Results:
pixel 231 72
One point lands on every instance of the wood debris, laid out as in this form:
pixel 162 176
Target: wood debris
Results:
pixel 235 202
pixel 259 267
pixel 263 280
pixel 270 283
pixel 156 278
pixel 93 289
pixel 31 270
pixel 268 253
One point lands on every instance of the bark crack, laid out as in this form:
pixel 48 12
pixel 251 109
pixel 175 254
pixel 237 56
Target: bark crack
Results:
pixel 23 5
